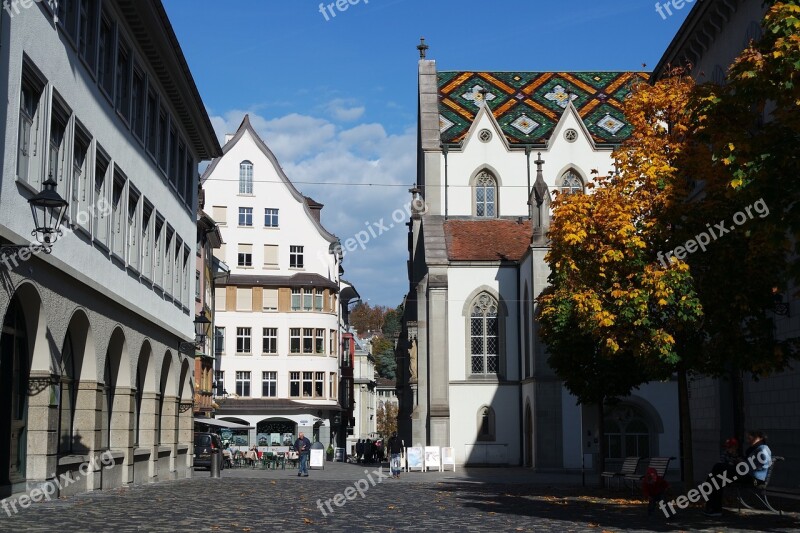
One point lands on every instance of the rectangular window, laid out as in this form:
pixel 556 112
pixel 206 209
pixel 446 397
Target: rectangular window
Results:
pixel 243 341
pixel 169 259
pixel 68 17
pixel 308 384
pixel 163 139
pixel 319 341
pixel 243 383
pixel 158 252
pixel 270 218
pixel 180 169
pixel 57 148
pixel 118 215
pixel 246 216
pixel 319 384
pixel 80 179
pixel 246 178
pixel 147 239
pixel 332 386
pixel 173 157
pixel 270 256
pixel 177 271
pixel 133 228
pixel 219 340
pixel 270 299
pixel 105 59
pixel 219 382
pixel 87 31
pixel 152 122
pixel 220 214
pixel 191 178
pixel 138 103
pixel 308 340
pixel 244 299
pixel 245 258
pixel 295 257
pixel 269 384
pixel 318 294
pixel 308 299
pixel 220 295
pixel 294 340
pixel 297 295
pixel 197 284
pixel 186 276
pixel 294 384
pixel 332 342
pixel 27 143
pixel 270 341
pixel 122 98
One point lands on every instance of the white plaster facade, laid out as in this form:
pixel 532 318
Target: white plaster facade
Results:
pixel 108 111
pixel 258 302
pixel 364 386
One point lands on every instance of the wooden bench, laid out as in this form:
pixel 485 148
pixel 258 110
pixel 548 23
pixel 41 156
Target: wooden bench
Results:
pixel 760 491
pixel 629 466
pixel 660 464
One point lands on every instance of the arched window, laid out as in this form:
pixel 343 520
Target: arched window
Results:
pixel 753 33
pixel 485 195
pixel 66 406
pixel 718 76
pixel 571 183
pixel 484 336
pixel 486 424
pixel 245 177
pixel 627 434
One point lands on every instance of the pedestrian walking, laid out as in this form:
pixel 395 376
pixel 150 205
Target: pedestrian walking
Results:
pixel 303 447
pixel 395 449
pixel 359 450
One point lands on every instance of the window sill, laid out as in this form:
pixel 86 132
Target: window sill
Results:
pixel 245 226
pixel 248 194
pixel 243 354
pixel 296 268
pixel 245 267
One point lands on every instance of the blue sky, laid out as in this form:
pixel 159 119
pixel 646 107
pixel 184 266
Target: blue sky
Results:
pixel 336 99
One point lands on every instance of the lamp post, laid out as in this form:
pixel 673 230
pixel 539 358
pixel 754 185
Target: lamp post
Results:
pixel 47 208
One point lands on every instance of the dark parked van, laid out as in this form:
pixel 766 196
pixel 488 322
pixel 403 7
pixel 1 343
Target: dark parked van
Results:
pixel 204 445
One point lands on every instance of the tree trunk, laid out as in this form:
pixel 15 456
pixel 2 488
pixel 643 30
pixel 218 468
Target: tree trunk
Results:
pixel 601 441
pixel 687 457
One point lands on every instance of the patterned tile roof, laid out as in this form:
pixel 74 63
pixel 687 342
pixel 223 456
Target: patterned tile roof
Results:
pixel 487 240
pixel 528 105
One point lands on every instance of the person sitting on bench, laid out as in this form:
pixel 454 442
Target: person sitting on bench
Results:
pixel 749 471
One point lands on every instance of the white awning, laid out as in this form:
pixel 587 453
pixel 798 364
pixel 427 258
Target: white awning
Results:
pixel 222 423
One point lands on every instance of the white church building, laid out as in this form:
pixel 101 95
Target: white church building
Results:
pixel 472 372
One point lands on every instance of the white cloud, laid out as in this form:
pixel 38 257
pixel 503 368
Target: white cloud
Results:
pixel 366 174
pixel 344 110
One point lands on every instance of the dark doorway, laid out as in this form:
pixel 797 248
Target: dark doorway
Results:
pixel 14 373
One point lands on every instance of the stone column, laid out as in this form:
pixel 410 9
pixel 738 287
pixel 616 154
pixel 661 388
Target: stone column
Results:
pixel 121 439
pixel 419 414
pixel 42 428
pixel 147 440
pixel 169 434
pixel 89 423
pixel 438 358
pixel 185 439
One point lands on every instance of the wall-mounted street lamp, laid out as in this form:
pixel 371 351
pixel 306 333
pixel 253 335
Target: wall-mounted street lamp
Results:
pixel 201 323
pixel 48 209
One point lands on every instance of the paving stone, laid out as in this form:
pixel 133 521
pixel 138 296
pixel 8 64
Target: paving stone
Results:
pixel 468 500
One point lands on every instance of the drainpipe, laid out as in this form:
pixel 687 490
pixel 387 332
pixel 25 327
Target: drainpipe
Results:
pixel 445 150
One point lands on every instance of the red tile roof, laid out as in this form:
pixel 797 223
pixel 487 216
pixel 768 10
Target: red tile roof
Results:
pixel 487 240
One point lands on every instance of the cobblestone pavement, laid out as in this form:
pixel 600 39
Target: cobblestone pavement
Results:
pixel 473 500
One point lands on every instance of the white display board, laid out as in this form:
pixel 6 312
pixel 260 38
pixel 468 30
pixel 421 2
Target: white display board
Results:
pixel 317 459
pixel 449 458
pixel 415 459
pixel 433 458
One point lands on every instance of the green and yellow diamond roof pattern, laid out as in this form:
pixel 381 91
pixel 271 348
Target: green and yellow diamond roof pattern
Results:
pixel 528 105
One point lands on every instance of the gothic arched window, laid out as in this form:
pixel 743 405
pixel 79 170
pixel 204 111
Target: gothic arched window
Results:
pixel 485 195
pixel 571 183
pixel 245 177
pixel 484 336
